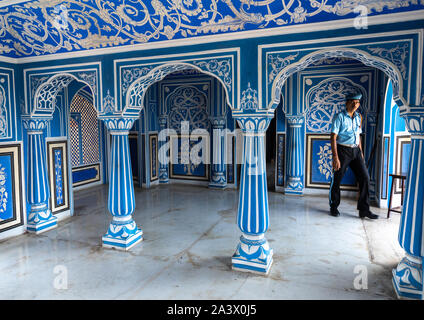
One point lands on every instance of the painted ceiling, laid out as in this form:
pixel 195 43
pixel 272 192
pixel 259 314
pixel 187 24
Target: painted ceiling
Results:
pixel 35 28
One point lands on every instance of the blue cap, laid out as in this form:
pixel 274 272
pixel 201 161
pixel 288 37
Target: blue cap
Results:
pixel 354 96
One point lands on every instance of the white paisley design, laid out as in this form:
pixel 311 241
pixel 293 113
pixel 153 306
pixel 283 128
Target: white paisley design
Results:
pixel 55 26
pixel 3 192
pixel 327 99
pixel 3 113
pixel 187 103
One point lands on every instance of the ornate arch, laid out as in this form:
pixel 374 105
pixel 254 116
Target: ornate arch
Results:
pixel 135 94
pixel 44 98
pixel 387 67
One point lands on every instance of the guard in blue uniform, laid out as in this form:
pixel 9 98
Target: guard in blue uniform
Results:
pixel 347 152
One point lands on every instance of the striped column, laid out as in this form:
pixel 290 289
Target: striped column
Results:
pixel 218 176
pixel 40 218
pixel 123 232
pixel 408 276
pixel 295 155
pixel 253 253
pixel 163 163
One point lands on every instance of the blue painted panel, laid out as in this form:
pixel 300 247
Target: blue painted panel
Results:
pixel 406 151
pixel 7 105
pixel 82 175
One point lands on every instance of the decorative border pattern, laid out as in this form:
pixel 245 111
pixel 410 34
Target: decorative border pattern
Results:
pixel 58 175
pixel 15 195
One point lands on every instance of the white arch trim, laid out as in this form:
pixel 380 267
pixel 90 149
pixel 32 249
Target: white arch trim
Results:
pixel 369 60
pixel 138 88
pixel 49 90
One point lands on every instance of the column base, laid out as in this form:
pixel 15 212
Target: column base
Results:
pixel 163 181
pixel 252 255
pixel 40 219
pixel 293 192
pixel 218 181
pixel 294 186
pixel 407 278
pixel 122 235
pixel 213 185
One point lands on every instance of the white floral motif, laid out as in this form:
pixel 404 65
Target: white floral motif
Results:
pixel 3 192
pixel 95 24
pixel 327 99
pixel 325 166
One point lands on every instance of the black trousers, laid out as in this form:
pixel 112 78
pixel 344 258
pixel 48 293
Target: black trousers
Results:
pixel 351 157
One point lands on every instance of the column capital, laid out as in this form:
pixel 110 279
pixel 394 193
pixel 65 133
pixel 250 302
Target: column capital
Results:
pixel 295 120
pixel 33 124
pixel 415 122
pixel 254 122
pixel 118 124
pixel 218 122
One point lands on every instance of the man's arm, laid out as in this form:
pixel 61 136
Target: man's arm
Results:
pixel 336 161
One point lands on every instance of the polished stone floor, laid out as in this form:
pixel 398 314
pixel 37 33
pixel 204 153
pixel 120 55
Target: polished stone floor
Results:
pixel 190 234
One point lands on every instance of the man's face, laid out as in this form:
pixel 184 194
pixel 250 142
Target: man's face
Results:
pixel 353 105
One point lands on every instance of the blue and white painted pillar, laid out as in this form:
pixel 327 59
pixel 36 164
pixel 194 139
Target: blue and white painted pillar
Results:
pixel 408 276
pixel 40 218
pixel 218 176
pixel 163 139
pixel 253 253
pixel 123 232
pixel 295 155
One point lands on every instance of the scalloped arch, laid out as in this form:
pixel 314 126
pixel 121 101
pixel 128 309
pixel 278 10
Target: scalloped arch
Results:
pixel 369 60
pixel 45 95
pixel 137 90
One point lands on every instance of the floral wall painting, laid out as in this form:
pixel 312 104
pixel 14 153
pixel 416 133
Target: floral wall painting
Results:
pixel 11 196
pixel 319 167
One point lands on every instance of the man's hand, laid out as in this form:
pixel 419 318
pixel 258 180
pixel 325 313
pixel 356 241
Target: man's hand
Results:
pixel 336 164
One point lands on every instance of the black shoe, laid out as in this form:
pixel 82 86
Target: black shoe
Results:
pixel 368 214
pixel 334 212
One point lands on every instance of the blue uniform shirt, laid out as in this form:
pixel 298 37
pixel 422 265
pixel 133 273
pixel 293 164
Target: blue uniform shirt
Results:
pixel 347 129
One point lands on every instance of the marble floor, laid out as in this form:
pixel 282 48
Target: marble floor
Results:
pixel 190 234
